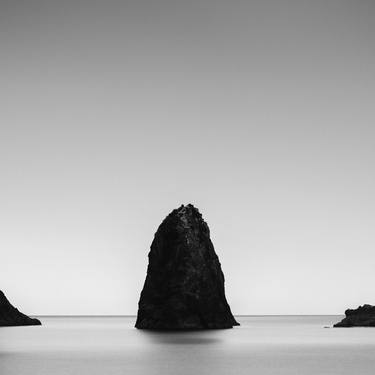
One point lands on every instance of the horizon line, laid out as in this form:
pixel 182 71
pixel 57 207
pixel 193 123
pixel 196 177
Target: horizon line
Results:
pixel 134 316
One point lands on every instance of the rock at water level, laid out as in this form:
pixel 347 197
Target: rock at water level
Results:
pixel 184 287
pixel 10 316
pixel 364 316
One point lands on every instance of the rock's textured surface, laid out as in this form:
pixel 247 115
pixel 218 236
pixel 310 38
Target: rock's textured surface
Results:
pixel 364 316
pixel 184 287
pixel 10 316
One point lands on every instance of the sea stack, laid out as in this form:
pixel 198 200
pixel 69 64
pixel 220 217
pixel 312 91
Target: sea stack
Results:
pixel 10 316
pixel 184 287
pixel 364 316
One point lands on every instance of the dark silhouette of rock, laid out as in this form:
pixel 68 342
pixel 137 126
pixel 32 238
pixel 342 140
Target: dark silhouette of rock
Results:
pixel 364 316
pixel 184 287
pixel 10 316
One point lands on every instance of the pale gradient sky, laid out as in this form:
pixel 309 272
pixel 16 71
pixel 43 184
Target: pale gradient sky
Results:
pixel 261 113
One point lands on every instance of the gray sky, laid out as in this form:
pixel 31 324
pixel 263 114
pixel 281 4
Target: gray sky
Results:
pixel 260 113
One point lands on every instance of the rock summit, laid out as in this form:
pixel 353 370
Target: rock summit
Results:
pixel 184 287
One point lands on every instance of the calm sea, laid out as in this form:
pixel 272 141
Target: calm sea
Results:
pixel 261 345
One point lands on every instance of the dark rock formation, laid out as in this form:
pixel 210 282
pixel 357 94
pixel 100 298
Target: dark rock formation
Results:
pixel 364 316
pixel 184 287
pixel 10 316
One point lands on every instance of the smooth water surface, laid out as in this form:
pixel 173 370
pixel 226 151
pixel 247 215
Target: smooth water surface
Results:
pixel 261 345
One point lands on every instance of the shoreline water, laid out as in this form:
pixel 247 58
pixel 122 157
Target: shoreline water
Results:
pixel 262 345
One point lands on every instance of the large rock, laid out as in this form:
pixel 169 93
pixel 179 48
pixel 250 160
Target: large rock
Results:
pixel 364 316
pixel 10 316
pixel 184 287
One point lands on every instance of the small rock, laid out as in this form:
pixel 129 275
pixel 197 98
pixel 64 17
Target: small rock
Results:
pixel 10 316
pixel 363 316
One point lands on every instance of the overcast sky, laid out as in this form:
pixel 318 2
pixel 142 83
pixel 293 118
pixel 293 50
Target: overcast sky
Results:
pixel 261 113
